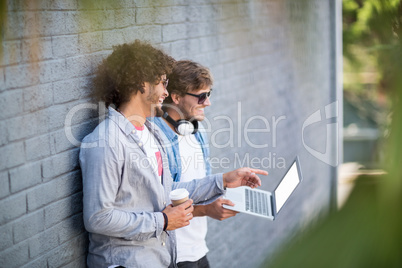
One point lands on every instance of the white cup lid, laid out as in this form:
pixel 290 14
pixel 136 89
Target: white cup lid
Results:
pixel 178 194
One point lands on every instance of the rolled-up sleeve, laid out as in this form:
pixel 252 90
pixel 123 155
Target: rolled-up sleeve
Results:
pixel 102 175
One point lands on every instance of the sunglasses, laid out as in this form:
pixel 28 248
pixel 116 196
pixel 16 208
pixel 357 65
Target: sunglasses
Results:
pixel 201 97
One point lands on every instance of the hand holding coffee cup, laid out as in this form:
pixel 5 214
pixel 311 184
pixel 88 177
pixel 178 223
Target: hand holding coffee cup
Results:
pixel 179 213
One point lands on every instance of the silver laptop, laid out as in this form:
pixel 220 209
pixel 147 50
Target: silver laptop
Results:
pixel 263 203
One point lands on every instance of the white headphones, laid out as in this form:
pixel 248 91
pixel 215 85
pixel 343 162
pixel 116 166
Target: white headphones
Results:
pixel 182 127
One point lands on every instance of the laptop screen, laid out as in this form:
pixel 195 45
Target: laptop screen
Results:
pixel 286 187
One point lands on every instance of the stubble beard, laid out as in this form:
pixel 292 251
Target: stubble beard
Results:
pixel 154 99
pixel 191 115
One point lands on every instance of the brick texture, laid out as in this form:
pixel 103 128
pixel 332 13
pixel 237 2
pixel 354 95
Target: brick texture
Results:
pixel 270 59
pixel 5 188
pixel 2 82
pixel 25 176
pixel 15 97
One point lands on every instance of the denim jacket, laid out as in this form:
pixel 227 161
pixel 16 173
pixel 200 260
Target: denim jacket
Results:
pixel 172 148
pixel 123 197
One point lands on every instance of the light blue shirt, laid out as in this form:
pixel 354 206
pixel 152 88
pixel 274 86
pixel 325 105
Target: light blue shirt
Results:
pixel 123 197
pixel 172 148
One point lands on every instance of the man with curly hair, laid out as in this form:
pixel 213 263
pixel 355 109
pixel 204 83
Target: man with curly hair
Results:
pixel 126 178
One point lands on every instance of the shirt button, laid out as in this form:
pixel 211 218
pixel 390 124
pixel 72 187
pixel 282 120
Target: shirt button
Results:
pixel 163 243
pixel 140 144
pixel 134 131
pixel 164 203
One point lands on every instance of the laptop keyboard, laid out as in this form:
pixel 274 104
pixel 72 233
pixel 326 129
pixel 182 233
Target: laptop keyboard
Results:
pixel 257 202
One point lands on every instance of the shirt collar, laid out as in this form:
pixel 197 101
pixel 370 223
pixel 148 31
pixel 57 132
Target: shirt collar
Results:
pixel 126 126
pixel 170 134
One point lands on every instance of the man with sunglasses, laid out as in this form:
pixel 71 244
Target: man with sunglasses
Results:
pixel 126 179
pixel 189 91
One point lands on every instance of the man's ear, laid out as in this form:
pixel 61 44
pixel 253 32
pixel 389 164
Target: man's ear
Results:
pixel 175 98
pixel 145 87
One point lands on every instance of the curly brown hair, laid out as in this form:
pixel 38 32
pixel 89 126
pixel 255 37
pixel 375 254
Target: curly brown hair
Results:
pixel 187 76
pixel 124 72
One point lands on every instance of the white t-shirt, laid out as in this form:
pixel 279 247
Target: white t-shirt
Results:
pixel 191 245
pixel 151 149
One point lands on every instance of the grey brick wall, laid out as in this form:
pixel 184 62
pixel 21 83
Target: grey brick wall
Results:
pixel 273 63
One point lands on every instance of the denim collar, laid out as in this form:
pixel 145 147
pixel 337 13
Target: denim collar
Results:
pixel 170 134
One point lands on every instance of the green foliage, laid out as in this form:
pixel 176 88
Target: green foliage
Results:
pixel 375 27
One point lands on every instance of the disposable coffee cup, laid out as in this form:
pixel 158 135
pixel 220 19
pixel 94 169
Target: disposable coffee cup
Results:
pixel 178 196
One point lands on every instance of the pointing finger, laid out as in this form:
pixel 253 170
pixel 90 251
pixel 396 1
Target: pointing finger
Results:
pixel 258 171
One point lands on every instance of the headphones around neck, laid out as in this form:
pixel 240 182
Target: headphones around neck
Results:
pixel 182 127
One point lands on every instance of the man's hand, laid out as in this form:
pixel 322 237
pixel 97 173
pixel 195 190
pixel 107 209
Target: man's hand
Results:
pixel 179 216
pixel 243 177
pixel 216 211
